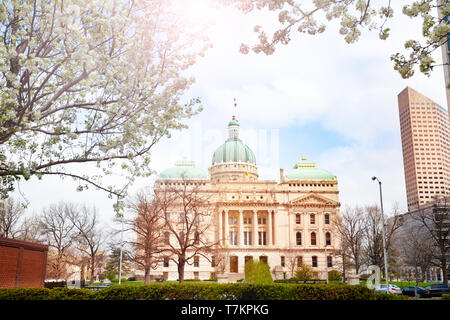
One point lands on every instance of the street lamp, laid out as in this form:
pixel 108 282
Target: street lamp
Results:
pixel 384 238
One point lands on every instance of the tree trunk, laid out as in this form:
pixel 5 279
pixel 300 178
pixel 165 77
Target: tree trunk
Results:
pixel 444 270
pixel 343 268
pixel 417 282
pixel 82 271
pixel 147 275
pixel 181 263
pixel 91 282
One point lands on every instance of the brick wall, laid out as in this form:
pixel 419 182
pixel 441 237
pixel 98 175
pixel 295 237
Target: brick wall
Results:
pixel 22 263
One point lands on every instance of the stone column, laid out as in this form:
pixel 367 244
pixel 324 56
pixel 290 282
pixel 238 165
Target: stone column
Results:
pixel 220 227
pixel 241 228
pixel 255 228
pixel 269 233
pixel 226 230
pixel 274 232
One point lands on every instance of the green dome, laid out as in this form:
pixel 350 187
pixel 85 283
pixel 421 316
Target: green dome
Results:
pixel 233 122
pixel 183 170
pixel 233 150
pixel 308 171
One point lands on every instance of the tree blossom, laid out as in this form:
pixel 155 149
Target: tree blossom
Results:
pixel 354 15
pixel 91 81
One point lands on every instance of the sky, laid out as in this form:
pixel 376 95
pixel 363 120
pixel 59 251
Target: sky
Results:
pixel 317 98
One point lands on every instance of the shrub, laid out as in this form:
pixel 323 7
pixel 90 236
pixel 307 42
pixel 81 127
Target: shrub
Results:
pixel 334 275
pixel 446 297
pixel 305 272
pixel 203 291
pixel 257 273
pixel 55 284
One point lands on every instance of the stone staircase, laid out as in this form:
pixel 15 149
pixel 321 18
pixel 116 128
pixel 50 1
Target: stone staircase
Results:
pixel 234 277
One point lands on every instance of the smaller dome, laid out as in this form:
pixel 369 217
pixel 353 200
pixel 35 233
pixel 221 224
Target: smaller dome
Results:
pixel 183 170
pixel 305 170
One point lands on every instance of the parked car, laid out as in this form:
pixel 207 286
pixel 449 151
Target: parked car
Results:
pixel 409 291
pixel 437 290
pixel 392 289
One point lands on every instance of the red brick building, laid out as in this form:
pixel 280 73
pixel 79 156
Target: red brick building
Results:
pixel 22 263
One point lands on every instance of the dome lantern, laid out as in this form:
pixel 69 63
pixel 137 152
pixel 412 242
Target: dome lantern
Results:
pixel 233 129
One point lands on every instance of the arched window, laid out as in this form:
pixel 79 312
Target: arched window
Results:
pixel 166 238
pixel 298 237
pixel 313 239
pixel 181 235
pixel 196 238
pixel 196 261
pixel 328 239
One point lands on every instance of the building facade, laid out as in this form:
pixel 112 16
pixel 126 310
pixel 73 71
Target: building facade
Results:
pixel 284 224
pixel 425 130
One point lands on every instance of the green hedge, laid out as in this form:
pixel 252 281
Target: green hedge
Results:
pixel 446 297
pixel 202 291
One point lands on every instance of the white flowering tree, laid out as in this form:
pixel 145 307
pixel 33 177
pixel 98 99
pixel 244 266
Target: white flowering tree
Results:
pixel 91 81
pixel 311 17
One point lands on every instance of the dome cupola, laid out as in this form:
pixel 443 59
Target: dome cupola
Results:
pixel 233 160
pixel 233 150
pixel 305 170
pixel 183 170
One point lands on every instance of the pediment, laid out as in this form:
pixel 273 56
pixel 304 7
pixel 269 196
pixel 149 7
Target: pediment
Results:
pixel 314 200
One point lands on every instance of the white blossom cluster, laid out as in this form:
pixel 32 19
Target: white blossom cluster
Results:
pixel 91 81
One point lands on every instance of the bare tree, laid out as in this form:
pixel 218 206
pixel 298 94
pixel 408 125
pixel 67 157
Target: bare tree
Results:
pixel 146 222
pixel 187 213
pixel 89 237
pixel 416 248
pixel 30 229
pixel 351 229
pixel 56 226
pixel 292 263
pixel 373 244
pixel 436 220
pixel 10 218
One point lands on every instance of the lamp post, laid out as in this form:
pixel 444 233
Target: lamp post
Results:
pixel 384 238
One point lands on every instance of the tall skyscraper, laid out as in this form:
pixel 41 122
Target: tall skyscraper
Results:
pixel 425 130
